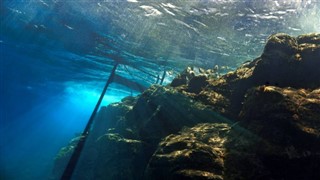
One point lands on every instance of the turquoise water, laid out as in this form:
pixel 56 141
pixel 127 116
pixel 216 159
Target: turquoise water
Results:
pixel 57 55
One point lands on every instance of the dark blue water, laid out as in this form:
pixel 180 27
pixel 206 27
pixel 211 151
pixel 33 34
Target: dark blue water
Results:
pixel 46 100
pixel 57 55
pixel 42 108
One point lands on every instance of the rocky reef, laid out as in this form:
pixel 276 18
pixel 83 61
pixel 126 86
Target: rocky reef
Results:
pixel 261 121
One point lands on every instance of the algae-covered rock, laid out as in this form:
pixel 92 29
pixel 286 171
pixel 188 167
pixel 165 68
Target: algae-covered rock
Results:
pixel 288 120
pixel 194 153
pixel 280 46
pixel 284 116
pixel 193 79
pixel 161 111
pixel 108 118
pixel 312 38
pixel 260 121
pixel 197 83
pixel 126 134
pixel 285 62
pixel 117 158
pixel 289 62
pixel 183 78
pixel 208 151
pixel 63 157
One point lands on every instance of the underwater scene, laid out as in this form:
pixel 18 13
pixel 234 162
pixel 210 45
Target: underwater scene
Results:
pixel 166 89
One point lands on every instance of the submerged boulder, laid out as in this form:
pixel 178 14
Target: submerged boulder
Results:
pixel 261 121
pixel 161 111
pixel 286 62
pixel 279 46
pixel 126 134
pixel 284 116
pixel 194 153
pixel 289 62
pixel 288 120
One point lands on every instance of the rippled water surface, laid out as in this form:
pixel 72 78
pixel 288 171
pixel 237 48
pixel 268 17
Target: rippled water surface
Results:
pixel 56 56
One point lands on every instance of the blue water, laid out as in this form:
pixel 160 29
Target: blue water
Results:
pixel 57 55
pixel 41 110
pixel 43 106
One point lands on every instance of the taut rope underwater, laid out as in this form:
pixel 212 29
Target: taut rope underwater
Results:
pixel 68 171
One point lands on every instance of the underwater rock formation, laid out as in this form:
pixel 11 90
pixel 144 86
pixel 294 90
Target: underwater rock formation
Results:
pixel 261 121
pixel 193 153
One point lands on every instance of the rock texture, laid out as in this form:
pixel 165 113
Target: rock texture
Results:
pixel 194 153
pixel 261 121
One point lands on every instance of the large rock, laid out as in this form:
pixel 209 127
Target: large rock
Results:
pixel 261 121
pixel 161 111
pixel 294 113
pixel 103 134
pixel 285 62
pixel 289 62
pixel 126 134
pixel 208 151
pixel 288 120
pixel 195 153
